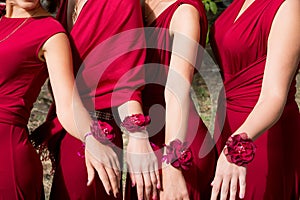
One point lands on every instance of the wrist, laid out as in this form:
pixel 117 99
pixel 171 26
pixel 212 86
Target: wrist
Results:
pixel 239 149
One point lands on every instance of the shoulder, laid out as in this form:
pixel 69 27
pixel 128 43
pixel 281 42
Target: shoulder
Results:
pixel 185 19
pixel 288 10
pixel 291 5
pixel 48 24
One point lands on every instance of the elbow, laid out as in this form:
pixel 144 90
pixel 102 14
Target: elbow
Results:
pixel 275 100
pixel 60 116
pixel 182 97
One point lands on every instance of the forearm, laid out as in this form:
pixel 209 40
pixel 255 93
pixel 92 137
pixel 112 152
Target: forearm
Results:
pixel 266 113
pixel 74 117
pixel 177 115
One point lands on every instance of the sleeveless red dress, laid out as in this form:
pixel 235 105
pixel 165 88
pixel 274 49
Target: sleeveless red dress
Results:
pixel 159 43
pixel 106 57
pixel 21 78
pixel 241 50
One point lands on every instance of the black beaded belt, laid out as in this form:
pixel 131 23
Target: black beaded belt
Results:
pixel 102 115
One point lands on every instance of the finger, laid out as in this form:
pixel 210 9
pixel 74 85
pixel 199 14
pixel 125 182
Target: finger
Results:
pixel 90 171
pixel 131 174
pixel 139 185
pixel 154 185
pixel 147 185
pixel 216 188
pixel 158 185
pixel 116 167
pixel 242 182
pixel 104 178
pixel 225 188
pixel 233 188
pixel 186 197
pixel 114 181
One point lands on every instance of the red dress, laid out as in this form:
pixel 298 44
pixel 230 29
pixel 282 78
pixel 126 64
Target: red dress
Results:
pixel 241 50
pixel 199 176
pixel 21 77
pixel 108 75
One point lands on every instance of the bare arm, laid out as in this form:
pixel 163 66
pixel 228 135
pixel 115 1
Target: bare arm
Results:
pixel 185 29
pixel 73 115
pixel 59 62
pixel 281 65
pixel 184 26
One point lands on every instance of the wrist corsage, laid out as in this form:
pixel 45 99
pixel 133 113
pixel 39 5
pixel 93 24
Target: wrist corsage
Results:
pixel 178 154
pixel 239 149
pixel 101 131
pixel 135 123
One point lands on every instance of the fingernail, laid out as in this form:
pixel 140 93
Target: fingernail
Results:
pixel 132 184
pixel 154 198
pixel 242 196
pixel 158 186
pixel 116 195
pixel 88 183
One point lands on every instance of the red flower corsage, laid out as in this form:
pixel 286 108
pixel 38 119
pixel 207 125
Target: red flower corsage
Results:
pixel 135 123
pixel 178 154
pixel 102 131
pixel 240 149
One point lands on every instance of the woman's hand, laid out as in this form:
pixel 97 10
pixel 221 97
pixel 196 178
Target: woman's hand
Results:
pixel 173 184
pixel 227 178
pixel 104 160
pixel 143 167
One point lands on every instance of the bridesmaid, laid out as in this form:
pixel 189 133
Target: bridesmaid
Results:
pixel 32 45
pixel 258 49
pixel 108 54
pixel 171 26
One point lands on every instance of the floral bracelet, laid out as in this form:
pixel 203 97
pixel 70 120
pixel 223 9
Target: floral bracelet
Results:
pixel 239 149
pixel 135 123
pixel 101 131
pixel 178 154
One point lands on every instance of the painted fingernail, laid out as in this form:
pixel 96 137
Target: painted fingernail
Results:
pixel 158 186
pixel 132 184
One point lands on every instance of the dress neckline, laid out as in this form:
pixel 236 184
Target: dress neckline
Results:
pixel 239 15
pixel 78 17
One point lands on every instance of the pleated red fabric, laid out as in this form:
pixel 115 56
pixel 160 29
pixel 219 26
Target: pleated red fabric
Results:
pixel 240 46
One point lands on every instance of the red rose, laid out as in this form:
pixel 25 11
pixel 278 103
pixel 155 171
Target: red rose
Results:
pixel 186 159
pixel 240 150
pixel 136 122
pixel 102 131
pixel 178 154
